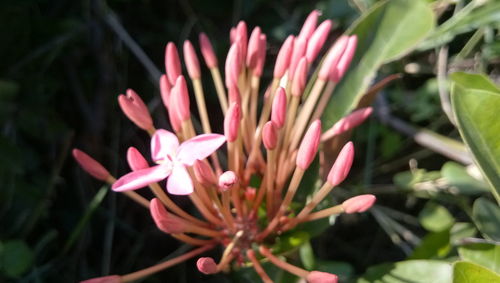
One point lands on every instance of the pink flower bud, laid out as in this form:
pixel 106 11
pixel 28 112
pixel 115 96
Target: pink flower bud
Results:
pixel 232 122
pixel 90 165
pixel 283 58
pixel 309 24
pixel 261 56
pixel 253 48
pixel 227 180
pixel 172 63
pixel 135 159
pixel 232 35
pixel 191 60
pixel 329 65
pixel 309 145
pixel 270 135
pixel 207 51
pixel 278 113
pixel 342 165
pixel 206 265
pixel 135 109
pixel 299 50
pixel 317 40
pixel 242 35
pixel 321 277
pixel 346 59
pixel 181 97
pixel 233 65
pixel 105 279
pixel 165 88
pixel 300 78
pixel 358 204
pixel 204 173
pixel 250 193
pixel 163 220
pixel 173 115
pixel 347 123
pixel 234 96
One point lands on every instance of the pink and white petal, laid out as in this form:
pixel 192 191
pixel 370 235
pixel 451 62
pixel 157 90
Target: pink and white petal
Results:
pixel 199 147
pixel 179 182
pixel 141 178
pixel 163 143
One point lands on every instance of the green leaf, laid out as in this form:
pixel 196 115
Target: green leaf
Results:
pixel 342 269
pixel 307 256
pixel 486 216
pixel 460 181
pixel 484 254
pixel 468 19
pixel 388 31
pixel 466 272
pixel 462 230
pixel 414 271
pixel 290 241
pixel 475 103
pixel 434 245
pixel 435 217
pixel 16 258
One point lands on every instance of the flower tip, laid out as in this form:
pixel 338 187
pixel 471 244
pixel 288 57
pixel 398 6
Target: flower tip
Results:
pixel 358 204
pixel 310 24
pixel 317 40
pixel 270 135
pixel 105 279
pixel 207 51
pixel 90 165
pixel 181 97
pixel 300 77
pixel 135 159
pixel 206 265
pixel 191 60
pixel 227 180
pixel 342 165
pixel 321 277
pixel 309 145
pixel 134 108
pixel 278 114
pixel 163 220
pixel 283 58
pixel 232 122
pixel 204 173
pixel 172 62
pixel 165 88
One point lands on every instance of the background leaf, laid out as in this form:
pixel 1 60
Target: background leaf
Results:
pixel 435 217
pixel 486 215
pixel 466 272
pixel 487 255
pixel 388 31
pixel 409 271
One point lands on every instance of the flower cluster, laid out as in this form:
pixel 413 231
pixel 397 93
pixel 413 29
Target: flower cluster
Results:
pixel 274 145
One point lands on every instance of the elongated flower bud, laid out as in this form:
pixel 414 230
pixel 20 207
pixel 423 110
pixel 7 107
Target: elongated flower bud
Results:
pixel 181 95
pixel 232 35
pixel 207 51
pixel 278 113
pixel 261 56
pixel 135 109
pixel 163 220
pixel 172 63
pixel 329 65
pixel 165 88
pixel 233 65
pixel 358 204
pixel 342 165
pixel 227 180
pixel 232 122
pixel 317 40
pixel 234 96
pixel 321 277
pixel 105 279
pixel 253 48
pixel 309 146
pixel 284 56
pixel 204 173
pixel 135 159
pixel 347 123
pixel 346 59
pixel 191 60
pixel 242 35
pixel 173 114
pixel 300 78
pixel 309 24
pixel 90 165
pixel 206 265
pixel 299 50
pixel 270 135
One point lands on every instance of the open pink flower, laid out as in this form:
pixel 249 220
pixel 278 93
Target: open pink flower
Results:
pixel 172 160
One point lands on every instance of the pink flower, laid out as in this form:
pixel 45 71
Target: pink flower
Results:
pixel 172 160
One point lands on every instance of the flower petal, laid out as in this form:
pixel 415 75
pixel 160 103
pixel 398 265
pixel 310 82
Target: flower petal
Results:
pixel 141 178
pixel 163 143
pixel 179 183
pixel 199 147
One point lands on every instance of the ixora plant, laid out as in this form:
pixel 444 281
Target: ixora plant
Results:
pixel 274 146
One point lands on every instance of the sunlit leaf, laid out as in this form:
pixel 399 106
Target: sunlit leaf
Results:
pixel 415 271
pixel 466 272
pixel 487 255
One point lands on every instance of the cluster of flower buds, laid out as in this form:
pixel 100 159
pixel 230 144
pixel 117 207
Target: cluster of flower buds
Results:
pixel 275 144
